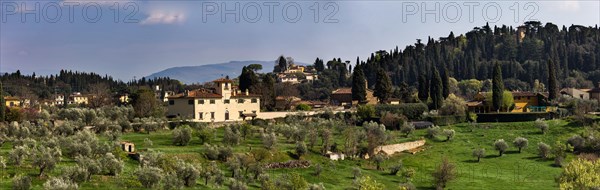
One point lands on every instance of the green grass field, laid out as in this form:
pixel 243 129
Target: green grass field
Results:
pixel 511 171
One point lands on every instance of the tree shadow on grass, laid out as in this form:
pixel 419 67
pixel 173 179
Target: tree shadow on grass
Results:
pixel 492 156
pixel 537 158
pixel 292 155
pixel 512 152
pixel 470 161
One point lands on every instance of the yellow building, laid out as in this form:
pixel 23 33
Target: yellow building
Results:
pixel 225 103
pixel 523 102
pixel 12 101
pixel 78 98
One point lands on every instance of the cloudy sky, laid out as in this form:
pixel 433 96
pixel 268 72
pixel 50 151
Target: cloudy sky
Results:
pixel 137 38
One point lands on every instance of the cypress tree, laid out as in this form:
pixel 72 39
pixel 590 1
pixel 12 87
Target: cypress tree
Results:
pixel 359 86
pixel 436 90
pixel 445 83
pixel 383 86
pixel 552 83
pixel 497 87
pixel 2 104
pixel 423 88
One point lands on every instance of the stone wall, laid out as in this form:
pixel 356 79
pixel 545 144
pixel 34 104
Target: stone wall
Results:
pixel 395 148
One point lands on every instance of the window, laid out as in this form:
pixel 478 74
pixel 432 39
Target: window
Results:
pixel 254 111
pixel 200 101
pixel 240 101
pixel 171 102
pixel 241 113
pixel 201 115
pixel 226 101
pixel 191 102
pixel 212 115
pixel 254 100
pixel 212 101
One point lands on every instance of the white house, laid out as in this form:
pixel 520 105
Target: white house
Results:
pixel 225 103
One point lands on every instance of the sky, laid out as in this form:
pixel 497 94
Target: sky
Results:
pixel 127 39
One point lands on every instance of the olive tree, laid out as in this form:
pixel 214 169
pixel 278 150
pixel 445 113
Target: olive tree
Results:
pixel 149 176
pixel 110 164
pixel 269 140
pixel 187 173
pixel 479 153
pixel 444 173
pixel 21 182
pixel 376 136
pixel 182 135
pixel 18 154
pixel 520 143
pixel 543 150
pixel 171 182
pixel 231 136
pixel 59 183
pixel 501 146
pixel 45 158
pixel 407 128
pixel 300 149
pixel 542 125
pixel 449 133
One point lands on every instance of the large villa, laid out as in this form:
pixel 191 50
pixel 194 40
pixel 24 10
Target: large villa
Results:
pixel 223 104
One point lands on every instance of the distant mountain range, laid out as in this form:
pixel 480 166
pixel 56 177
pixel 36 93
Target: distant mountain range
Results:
pixel 209 72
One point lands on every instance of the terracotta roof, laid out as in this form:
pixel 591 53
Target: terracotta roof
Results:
pixel 343 91
pixel 221 80
pixel 200 93
pixel 594 90
pixel 11 98
pixel 241 95
pixel 474 104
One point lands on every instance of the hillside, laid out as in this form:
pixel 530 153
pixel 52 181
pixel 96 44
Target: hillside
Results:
pixel 205 73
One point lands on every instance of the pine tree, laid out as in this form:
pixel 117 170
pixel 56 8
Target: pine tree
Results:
pixel 436 90
pixel 497 87
pixel 359 86
pixel 2 104
pixel 319 65
pixel 383 86
pixel 552 83
pixel 445 83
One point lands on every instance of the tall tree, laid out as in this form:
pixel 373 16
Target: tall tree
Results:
pixel 445 82
pixel 359 86
pixel 319 65
pixel 281 64
pixel 383 86
pixel 437 96
pixel 497 87
pixel 423 88
pixel 553 88
pixel 2 104
pixel 247 79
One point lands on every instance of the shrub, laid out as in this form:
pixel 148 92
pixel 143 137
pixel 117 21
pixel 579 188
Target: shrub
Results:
pixel 269 140
pixel 366 183
pixel 407 128
pixel 318 169
pixel 187 173
pixel 356 172
pixel 149 176
pixel 182 135
pixel 225 153
pixel 543 150
pixel 376 136
pixel 432 132
pixel 378 159
pixel 76 174
pixel 412 111
pixel 21 182
pixel 449 133
pixel 18 154
pixel 205 134
pixel 303 107
pixel 453 105
pixel 500 146
pixel 542 125
pixel 443 174
pixel 479 153
pixel 520 143
pixel 300 149
pixel 365 111
pixel 577 142
pixel 396 168
pixel 237 185
pixel 92 166
pixel 45 158
pixel 171 181
pixel 391 120
pixel 110 164
pixel 231 136
pixel 292 181
pixel 580 174
pixel 57 183
pixel 211 152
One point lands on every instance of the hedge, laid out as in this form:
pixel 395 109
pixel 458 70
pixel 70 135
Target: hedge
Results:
pixel 412 111
pixel 447 120
pixel 512 117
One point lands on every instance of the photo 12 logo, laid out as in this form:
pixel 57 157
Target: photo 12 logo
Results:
pixel 253 12
pixel 68 11
pixel 454 12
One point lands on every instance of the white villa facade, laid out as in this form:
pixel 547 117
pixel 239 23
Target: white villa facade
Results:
pixel 223 104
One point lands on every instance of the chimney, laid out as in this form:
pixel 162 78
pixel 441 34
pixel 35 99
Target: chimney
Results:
pixel 247 93
pixel 234 92
pixel 186 93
